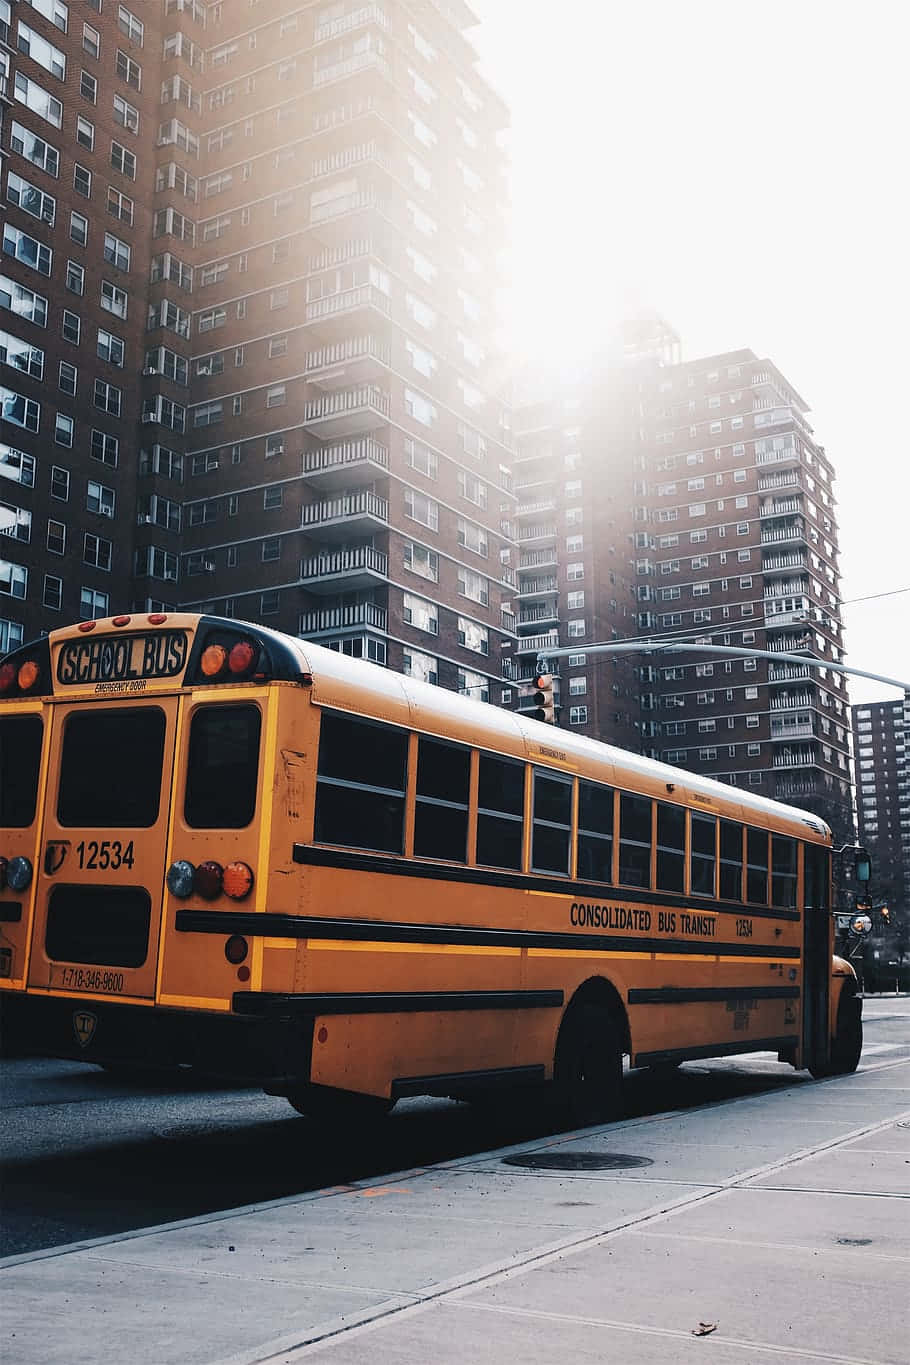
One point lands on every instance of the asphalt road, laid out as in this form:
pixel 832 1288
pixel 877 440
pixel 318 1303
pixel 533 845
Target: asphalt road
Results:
pixel 88 1154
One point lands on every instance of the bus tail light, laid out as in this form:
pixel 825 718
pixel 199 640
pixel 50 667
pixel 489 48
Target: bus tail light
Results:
pixel 7 677
pixel 237 881
pixel 3 866
pixel 28 675
pixel 208 879
pixel 236 949
pixel 241 658
pixel 18 873
pixel 213 660
pixel 180 878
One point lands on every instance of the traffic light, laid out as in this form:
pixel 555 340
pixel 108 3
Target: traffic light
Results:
pixel 544 700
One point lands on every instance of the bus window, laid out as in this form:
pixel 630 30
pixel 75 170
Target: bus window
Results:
pixel 757 866
pixel 223 767
pixel 552 825
pixel 441 813
pixel 783 872
pixel 731 861
pixel 671 847
pixel 360 784
pixel 110 769
pixel 20 760
pixel 703 858
pixel 500 812
pixel 817 876
pixel 634 840
pixel 595 833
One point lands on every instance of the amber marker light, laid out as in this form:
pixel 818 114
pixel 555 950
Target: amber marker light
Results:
pixel 213 660
pixel 237 881
pixel 241 657
pixel 28 675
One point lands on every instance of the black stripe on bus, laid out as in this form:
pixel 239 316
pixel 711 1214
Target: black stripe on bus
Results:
pixel 11 912
pixel 317 856
pixel 785 1043
pixel 690 995
pixel 444 1083
pixel 253 923
pixel 391 1002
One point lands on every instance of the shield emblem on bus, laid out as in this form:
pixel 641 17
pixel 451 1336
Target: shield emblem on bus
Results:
pixel 84 1025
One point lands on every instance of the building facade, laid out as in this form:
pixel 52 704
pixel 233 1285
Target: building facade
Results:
pixel 293 214
pixel 880 735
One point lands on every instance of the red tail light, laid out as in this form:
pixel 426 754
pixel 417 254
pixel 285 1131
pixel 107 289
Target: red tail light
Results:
pixel 242 657
pixel 7 676
pixel 208 880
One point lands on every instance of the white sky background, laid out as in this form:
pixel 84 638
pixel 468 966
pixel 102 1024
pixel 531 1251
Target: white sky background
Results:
pixel 744 169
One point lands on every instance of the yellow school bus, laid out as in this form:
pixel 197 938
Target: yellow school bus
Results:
pixel 233 850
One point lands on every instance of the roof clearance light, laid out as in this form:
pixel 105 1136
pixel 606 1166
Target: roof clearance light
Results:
pixel 120 621
pixel 87 625
pixel 213 660
pixel 29 674
pixel 18 873
pixel 242 657
pixel 207 880
pixel 7 676
pixel 157 619
pixel 238 881
pixel 180 878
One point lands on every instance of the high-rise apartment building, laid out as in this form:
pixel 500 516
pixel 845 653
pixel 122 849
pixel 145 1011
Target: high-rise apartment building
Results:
pixel 279 225
pixel 705 512
pixel 880 737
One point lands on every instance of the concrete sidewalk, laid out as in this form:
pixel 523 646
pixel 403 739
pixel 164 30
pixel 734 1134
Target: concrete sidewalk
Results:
pixel 781 1220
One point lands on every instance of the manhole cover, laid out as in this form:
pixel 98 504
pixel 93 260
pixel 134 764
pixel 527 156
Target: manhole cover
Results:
pixel 576 1161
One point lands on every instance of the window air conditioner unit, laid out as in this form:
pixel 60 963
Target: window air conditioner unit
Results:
pixel 208 566
pixel 145 519
pixel 150 369
pixel 150 417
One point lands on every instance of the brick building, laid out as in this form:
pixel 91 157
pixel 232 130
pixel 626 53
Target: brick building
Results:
pixel 278 397
pixel 880 734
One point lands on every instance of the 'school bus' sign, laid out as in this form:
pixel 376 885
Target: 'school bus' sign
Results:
pixel 122 659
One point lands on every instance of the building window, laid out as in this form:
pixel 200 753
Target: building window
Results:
pixel 91 41
pixel 421 614
pixel 578 715
pixel 473 586
pixel 67 377
pixel 93 604
pixel 56 537
pixel 63 430
pixel 52 596
pixel 421 561
pixel 75 278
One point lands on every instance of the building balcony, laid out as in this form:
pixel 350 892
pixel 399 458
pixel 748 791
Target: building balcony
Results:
pixel 789 789
pixel 538 587
pixel 355 65
pixel 788 673
pixel 775 535
pixel 538 644
pixel 794 758
pixel 539 616
pixel 364 153
pixel 787 455
pixel 538 531
pixel 530 509
pixel 347 23
pixel 346 411
pixel 344 570
pixel 766 482
pixel 790 587
pixel 774 563
pixel 331 219
pixel 536 559
pixel 345 465
pixel 321 312
pixel 359 359
pixel 786 618
pixel 355 249
pixel 352 617
pixel 788 701
pixel 780 507
pixel 786 732
pixel 786 644
pixel 350 516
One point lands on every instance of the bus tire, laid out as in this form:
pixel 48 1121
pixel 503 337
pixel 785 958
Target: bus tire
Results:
pixel 337 1107
pixel 587 1068
pixel 847 1043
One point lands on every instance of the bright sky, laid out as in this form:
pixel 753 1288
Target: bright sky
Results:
pixel 742 169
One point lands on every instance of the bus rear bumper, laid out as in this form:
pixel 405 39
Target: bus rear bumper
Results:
pixel 269 1048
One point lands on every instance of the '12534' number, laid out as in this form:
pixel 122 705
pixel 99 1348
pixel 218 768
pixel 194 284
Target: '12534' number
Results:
pixel 104 853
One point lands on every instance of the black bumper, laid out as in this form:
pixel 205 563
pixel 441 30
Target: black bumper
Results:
pixel 271 1046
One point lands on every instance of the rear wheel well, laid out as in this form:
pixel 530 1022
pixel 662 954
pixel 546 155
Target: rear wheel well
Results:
pixel 597 990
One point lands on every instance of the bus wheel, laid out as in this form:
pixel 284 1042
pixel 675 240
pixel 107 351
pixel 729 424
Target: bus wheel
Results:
pixel 847 1043
pixel 588 1066
pixel 328 1106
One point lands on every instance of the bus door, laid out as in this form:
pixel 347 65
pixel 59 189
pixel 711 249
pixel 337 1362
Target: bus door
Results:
pixel 100 876
pixel 22 744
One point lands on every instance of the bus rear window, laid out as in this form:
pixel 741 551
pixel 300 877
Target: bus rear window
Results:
pixel 110 769
pixel 360 784
pixel 223 769
pixel 20 760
